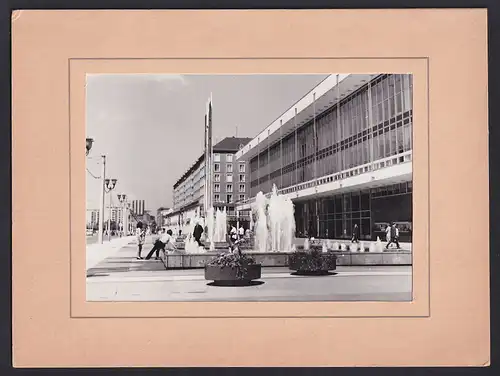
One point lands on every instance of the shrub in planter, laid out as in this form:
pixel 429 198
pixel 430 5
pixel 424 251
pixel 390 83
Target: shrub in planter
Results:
pixel 312 262
pixel 232 268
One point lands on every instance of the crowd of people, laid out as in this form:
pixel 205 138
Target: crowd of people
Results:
pixel 166 240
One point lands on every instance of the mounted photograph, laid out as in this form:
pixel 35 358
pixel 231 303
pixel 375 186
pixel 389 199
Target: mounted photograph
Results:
pixel 263 187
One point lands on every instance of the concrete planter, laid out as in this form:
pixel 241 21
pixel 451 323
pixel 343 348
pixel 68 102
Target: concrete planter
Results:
pixel 232 276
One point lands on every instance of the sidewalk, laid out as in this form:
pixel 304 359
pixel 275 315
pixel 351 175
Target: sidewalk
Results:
pixel 97 252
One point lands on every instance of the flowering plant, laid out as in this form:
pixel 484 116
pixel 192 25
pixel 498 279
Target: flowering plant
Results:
pixel 236 260
pixel 313 260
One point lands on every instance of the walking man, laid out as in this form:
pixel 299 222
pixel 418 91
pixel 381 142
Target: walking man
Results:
pixel 198 231
pixel 393 233
pixel 161 243
pixel 355 234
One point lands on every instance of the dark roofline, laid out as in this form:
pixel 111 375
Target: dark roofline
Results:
pixel 200 159
pixel 190 170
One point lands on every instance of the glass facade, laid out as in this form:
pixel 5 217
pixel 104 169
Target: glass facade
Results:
pixel 369 129
pixel 334 217
pixel 373 123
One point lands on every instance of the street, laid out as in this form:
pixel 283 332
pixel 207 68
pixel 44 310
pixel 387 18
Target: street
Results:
pixel 121 277
pixel 93 239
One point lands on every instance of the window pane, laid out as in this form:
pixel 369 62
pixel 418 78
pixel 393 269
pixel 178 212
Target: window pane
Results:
pixel 398 103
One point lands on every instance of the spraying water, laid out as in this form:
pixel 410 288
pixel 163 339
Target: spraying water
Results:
pixel 275 222
pixel 324 248
pixel 261 225
pixel 209 236
pixel 372 248
pixel 281 221
pixel 307 245
pixel 220 226
pixel 380 247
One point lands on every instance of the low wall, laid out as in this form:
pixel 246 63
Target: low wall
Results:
pixel 198 260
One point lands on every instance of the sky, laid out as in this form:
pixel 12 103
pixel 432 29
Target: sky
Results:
pixel 151 126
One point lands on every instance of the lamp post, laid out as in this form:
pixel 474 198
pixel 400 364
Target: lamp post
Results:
pixel 122 198
pixel 89 142
pixel 127 208
pixel 109 185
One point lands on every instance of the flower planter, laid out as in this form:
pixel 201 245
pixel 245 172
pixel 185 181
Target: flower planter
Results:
pixel 231 275
pixel 312 262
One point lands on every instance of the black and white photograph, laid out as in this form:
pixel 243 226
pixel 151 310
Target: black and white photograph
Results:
pixel 249 187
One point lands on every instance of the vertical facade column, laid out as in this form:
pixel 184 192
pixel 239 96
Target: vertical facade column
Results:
pixel 402 81
pixel 259 188
pixel 269 159
pixel 296 146
pixel 339 130
pixel 281 154
pixel 370 124
pixel 315 144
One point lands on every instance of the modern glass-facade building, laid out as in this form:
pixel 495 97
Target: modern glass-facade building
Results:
pixel 343 154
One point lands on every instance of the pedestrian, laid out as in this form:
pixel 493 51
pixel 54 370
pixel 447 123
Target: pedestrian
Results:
pixel 241 232
pixel 197 232
pixel 232 236
pixel 165 240
pixel 355 234
pixel 393 235
pixel 140 234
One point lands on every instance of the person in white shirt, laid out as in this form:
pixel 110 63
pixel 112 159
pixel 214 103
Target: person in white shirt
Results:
pixel 393 233
pixel 241 232
pixel 166 239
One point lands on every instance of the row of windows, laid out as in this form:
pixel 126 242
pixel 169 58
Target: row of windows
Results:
pixel 229 178
pixel 229 167
pixel 391 190
pixel 229 198
pixel 217 158
pixel 373 123
pixel 229 187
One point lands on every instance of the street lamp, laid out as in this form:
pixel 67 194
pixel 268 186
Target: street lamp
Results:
pixel 122 198
pixel 88 145
pixel 109 184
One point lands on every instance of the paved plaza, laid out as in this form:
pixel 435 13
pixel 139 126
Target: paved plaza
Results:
pixel 121 277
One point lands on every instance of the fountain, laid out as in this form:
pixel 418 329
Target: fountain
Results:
pixel 342 247
pixel 324 248
pixel 372 248
pixel 329 244
pixel 335 246
pixel 362 247
pixel 275 225
pixel 307 245
pixel 380 247
pixel 209 236
pixel 261 225
pixel 353 247
pixel 220 226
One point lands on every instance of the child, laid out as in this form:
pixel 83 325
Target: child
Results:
pixel 141 238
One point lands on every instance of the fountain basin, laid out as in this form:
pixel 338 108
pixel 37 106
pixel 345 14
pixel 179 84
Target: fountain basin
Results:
pixel 312 262
pixel 232 276
pixel 181 260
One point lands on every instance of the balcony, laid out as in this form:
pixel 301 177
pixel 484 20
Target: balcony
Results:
pixel 319 185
